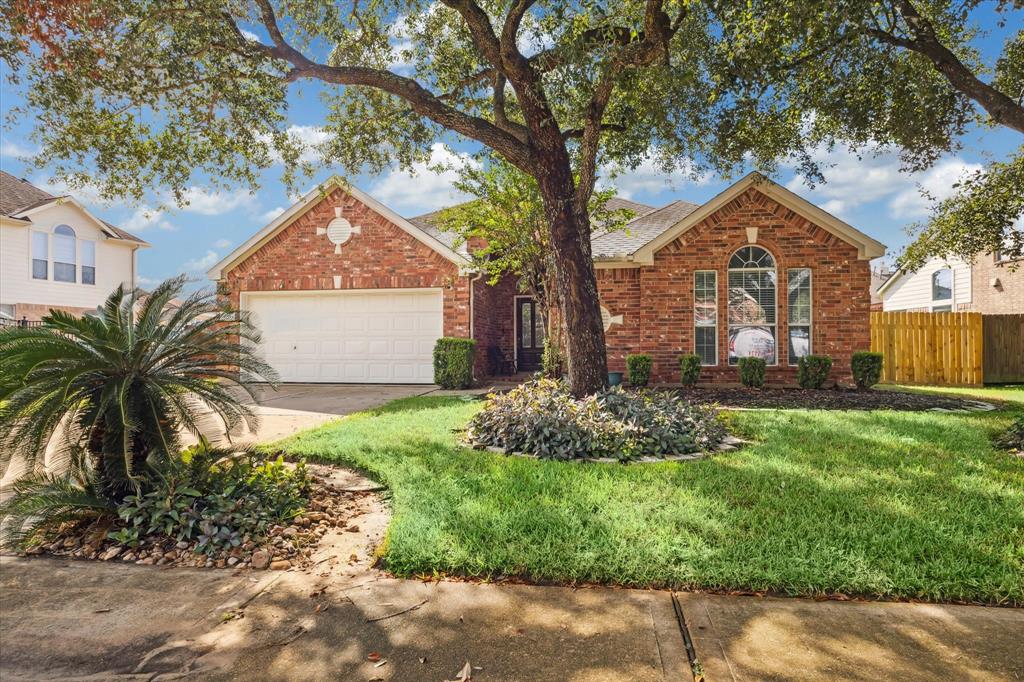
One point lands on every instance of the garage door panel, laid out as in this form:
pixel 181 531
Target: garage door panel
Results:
pixel 362 336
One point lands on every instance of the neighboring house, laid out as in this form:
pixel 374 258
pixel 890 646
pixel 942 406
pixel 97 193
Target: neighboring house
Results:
pixel 346 290
pixel 986 285
pixel 54 254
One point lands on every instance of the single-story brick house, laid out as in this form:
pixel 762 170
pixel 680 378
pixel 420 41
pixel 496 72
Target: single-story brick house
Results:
pixel 346 290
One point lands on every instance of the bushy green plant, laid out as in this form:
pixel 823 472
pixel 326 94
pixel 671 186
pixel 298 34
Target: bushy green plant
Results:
pixel 812 370
pixel 542 418
pixel 122 384
pixel 453 362
pixel 216 497
pixel 867 368
pixel 551 359
pixel 638 367
pixel 752 372
pixel 689 369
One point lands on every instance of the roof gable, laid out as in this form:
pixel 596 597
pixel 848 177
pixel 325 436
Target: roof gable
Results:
pixel 867 248
pixel 308 200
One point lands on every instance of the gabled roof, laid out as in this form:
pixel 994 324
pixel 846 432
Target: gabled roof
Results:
pixel 19 199
pixel 317 193
pixel 867 247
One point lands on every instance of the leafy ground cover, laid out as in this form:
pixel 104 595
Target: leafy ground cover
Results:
pixel 875 503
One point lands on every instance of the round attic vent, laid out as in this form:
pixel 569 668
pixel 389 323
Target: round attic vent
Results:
pixel 339 231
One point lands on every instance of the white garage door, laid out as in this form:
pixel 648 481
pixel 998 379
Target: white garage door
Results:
pixel 378 336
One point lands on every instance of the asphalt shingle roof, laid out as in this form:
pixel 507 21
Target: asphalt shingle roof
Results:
pixel 640 230
pixel 18 194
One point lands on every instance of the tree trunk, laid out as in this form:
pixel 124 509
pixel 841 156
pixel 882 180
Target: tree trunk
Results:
pixel 586 361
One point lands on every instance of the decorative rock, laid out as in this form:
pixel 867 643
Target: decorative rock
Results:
pixel 182 544
pixel 260 559
pixel 111 553
pixel 290 532
pixel 220 563
pixel 70 542
pixel 148 561
pixel 232 561
pixel 280 565
pixel 170 556
pixel 130 556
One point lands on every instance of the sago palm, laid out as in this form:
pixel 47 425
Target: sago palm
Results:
pixel 122 384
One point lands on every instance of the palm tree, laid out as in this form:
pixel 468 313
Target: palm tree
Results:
pixel 121 385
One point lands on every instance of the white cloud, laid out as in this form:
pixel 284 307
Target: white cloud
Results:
pixel 146 282
pixel 213 202
pixel 249 35
pixel 424 189
pixel 222 243
pixel 87 195
pixel 935 184
pixel 145 218
pixel 16 150
pixel 309 138
pixel 202 263
pixel 649 179
pixel 271 214
pixel 876 176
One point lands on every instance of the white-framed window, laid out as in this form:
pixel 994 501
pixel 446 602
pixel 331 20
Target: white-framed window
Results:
pixel 752 303
pixel 87 251
pixel 942 291
pixel 705 316
pixel 64 251
pixel 798 287
pixel 40 255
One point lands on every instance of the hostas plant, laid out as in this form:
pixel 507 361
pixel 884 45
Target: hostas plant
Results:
pixel 121 385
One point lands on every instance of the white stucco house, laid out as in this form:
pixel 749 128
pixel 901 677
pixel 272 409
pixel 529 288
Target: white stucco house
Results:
pixel 55 254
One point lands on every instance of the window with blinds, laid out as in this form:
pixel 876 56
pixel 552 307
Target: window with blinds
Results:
pixel 798 286
pixel 88 253
pixel 40 255
pixel 63 254
pixel 752 290
pixel 705 316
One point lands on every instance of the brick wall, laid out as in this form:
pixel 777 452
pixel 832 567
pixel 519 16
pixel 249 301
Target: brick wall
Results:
pixel 1006 297
pixel 493 320
pixel 657 301
pixel 34 312
pixel 382 256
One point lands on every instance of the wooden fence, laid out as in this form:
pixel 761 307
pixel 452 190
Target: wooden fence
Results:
pixel 929 348
pixel 949 348
pixel 1003 342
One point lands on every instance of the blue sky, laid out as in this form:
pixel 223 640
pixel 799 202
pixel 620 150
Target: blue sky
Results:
pixel 871 193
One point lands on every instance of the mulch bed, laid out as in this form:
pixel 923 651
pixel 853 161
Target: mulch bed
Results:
pixel 283 547
pixel 823 399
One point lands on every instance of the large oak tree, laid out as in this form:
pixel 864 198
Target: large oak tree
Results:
pixel 137 94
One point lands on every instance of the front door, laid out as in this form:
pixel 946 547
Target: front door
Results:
pixel 529 335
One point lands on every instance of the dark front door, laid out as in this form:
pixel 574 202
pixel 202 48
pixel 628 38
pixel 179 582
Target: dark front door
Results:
pixel 529 335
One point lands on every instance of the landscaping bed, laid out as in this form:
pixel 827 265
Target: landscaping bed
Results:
pixel 825 399
pixel 284 545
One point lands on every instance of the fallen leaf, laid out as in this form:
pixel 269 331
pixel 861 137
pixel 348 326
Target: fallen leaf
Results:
pixel 373 656
pixel 466 674
pixel 423 660
pixel 102 611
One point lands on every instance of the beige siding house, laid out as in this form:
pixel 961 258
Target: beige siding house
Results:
pixel 989 284
pixel 54 254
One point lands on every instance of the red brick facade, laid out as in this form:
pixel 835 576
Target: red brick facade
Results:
pixel 656 302
pixel 382 256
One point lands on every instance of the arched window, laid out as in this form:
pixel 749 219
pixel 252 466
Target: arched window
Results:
pixel 752 287
pixel 63 254
pixel 942 291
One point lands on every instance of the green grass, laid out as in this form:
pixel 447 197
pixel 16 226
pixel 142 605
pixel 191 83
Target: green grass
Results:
pixel 1013 393
pixel 887 504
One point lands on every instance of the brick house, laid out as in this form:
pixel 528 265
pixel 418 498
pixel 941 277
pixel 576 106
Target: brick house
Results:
pixel 345 290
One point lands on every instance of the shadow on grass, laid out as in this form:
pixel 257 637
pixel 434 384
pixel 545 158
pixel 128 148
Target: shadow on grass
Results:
pixel 894 505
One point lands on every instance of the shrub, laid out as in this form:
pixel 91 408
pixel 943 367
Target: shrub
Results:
pixel 453 362
pixel 689 369
pixel 867 368
pixel 542 418
pixel 551 359
pixel 812 370
pixel 638 368
pixel 216 497
pixel 752 372
pixel 128 378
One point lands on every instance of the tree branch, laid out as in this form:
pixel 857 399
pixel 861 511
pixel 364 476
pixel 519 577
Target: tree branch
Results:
pixel 1002 108
pixel 421 100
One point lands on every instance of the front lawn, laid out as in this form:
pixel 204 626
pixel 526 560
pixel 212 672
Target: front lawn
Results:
pixel 1013 393
pixel 890 504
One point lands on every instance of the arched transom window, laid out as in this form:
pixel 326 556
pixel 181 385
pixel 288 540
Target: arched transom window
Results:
pixel 752 305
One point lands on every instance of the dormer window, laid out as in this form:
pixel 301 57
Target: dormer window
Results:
pixel 64 265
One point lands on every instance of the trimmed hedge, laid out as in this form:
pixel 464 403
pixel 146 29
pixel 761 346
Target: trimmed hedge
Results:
pixel 689 369
pixel 453 362
pixel 812 370
pixel 752 372
pixel 867 368
pixel 639 368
